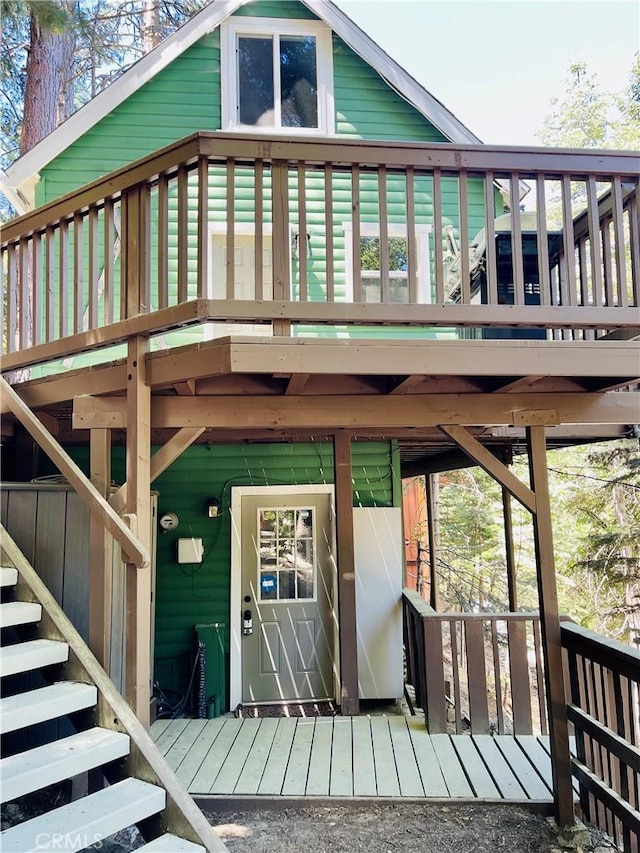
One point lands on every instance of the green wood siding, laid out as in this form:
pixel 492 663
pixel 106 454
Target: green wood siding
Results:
pixel 188 595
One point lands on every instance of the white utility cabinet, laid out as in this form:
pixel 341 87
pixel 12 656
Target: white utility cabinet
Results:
pixel 378 543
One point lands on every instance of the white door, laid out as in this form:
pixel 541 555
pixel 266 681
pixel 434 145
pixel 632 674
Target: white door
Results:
pixel 286 597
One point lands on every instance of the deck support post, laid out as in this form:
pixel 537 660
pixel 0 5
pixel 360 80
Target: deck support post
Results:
pixel 349 698
pixel 138 509
pixel 433 510
pixel 510 552
pixel 550 628
pixel 100 550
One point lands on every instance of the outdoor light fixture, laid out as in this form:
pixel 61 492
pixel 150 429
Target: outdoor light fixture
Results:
pixel 213 507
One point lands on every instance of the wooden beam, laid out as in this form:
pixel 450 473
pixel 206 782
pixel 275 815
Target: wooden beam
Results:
pixel 138 508
pixel 361 411
pixel 160 461
pixel 100 551
pixel 491 465
pixel 135 550
pixel 550 627
pixel 349 696
pixel 296 384
pixel 407 384
pixel 48 421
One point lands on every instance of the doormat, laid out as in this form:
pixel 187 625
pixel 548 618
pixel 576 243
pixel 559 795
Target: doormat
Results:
pixel 291 709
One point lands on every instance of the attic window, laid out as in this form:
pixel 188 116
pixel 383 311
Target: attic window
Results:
pixel 278 76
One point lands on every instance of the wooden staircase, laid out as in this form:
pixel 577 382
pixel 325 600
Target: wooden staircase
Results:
pixel 90 735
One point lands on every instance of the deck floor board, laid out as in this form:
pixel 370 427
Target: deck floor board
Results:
pixel 366 756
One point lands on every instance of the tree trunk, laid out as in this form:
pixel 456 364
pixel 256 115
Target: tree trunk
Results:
pixel 47 97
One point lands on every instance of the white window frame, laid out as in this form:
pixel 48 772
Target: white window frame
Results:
pixel 235 27
pixel 372 229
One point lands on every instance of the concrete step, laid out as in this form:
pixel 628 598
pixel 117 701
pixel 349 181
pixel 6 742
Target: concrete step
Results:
pixel 45 765
pixel 19 613
pixel 87 820
pixel 170 844
pixel 23 657
pixel 8 576
pixel 45 703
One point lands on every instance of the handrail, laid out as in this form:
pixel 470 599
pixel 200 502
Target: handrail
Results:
pixel 500 159
pixel 145 761
pixel 476 666
pixel 604 707
pixel 135 552
pixel 72 274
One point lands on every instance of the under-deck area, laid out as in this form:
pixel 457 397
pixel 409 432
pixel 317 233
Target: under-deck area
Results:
pixel 365 756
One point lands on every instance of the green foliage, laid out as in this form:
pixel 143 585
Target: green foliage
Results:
pixel 370 253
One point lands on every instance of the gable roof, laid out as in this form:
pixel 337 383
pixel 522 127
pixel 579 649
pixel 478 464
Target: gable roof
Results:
pixel 20 178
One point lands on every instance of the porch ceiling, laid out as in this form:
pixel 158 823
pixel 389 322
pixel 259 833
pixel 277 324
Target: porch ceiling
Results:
pixel 371 389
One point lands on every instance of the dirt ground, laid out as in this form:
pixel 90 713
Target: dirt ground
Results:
pixel 398 828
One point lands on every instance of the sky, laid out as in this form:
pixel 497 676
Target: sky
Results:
pixel 497 64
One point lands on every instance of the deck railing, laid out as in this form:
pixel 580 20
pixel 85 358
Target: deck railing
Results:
pixel 339 233
pixel 476 672
pixel 604 708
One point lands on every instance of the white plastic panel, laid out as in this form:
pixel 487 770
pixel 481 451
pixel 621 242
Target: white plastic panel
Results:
pixel 378 541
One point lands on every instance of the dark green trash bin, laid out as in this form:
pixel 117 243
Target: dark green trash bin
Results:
pixel 214 637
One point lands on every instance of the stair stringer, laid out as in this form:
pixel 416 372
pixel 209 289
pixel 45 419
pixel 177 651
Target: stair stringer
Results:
pixel 181 815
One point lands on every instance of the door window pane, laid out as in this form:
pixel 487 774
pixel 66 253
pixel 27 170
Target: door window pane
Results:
pixel 287 568
pixel 255 80
pixel 370 269
pixel 298 81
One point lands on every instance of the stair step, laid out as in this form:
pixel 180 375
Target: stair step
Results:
pixel 45 703
pixel 19 613
pixel 88 820
pixel 45 765
pixel 23 657
pixel 8 576
pixel 170 844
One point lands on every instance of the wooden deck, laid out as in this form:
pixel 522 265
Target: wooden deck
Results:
pixel 375 756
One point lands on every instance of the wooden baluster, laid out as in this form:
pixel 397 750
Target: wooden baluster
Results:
pixel 328 218
pixel 203 228
pixel 303 244
pixel 12 298
pixel 36 288
pixel 594 242
pixel 412 249
pixel 144 251
pixel 281 237
pixel 477 676
pixel 258 253
pixel 618 236
pixel 230 267
pixel 490 234
pixel 569 293
pixel 465 275
pixel 63 278
pixel 544 273
pixel 25 318
pixel 455 668
pixel 108 296
pixel 497 676
pixel 575 698
pixel 438 250
pixel 355 235
pixel 517 260
pixel 633 216
pixel 537 646
pixel 183 235
pixel 163 241
pixel 435 710
pixel 385 289
pixel 50 283
pixel 78 273
pixel 93 273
